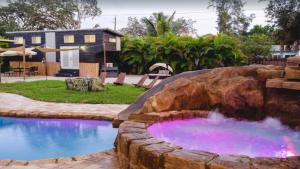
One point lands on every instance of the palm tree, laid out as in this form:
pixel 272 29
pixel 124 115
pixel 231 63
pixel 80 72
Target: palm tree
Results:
pixel 158 24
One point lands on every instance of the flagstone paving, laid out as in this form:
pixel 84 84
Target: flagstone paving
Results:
pixel 19 106
pixel 103 160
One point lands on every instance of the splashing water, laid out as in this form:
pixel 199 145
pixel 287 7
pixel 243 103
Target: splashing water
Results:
pixel 268 138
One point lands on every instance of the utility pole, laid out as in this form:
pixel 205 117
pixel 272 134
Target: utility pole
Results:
pixel 24 59
pixel 115 23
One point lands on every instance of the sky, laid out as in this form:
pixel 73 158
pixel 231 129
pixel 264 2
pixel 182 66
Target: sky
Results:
pixel 196 10
pixel 190 9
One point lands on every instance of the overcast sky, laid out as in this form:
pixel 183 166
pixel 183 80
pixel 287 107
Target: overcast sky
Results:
pixel 192 9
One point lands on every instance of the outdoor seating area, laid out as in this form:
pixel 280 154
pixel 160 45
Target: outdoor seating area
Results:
pixel 18 71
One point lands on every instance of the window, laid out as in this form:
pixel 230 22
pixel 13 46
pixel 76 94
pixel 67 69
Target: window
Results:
pixel 19 40
pixel 112 40
pixel 89 38
pixel 69 39
pixel 36 40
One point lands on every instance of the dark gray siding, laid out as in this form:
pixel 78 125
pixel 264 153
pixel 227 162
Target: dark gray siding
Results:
pixel 93 50
pixel 28 43
pixel 92 54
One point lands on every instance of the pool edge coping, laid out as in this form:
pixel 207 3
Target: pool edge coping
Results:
pixel 57 161
pixel 51 115
pixel 133 140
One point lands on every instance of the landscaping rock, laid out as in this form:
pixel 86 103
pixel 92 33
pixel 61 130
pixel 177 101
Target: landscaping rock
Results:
pixel 229 162
pixel 292 73
pixel 85 84
pixel 233 90
pixel 187 159
pixel 295 59
pixel 274 83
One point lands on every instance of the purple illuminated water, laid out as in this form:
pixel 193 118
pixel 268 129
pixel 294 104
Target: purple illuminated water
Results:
pixel 227 136
pixel 32 139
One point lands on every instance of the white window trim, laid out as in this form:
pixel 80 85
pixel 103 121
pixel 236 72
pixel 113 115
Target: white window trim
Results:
pixel 112 40
pixel 40 40
pixel 69 42
pixel 18 42
pixel 85 40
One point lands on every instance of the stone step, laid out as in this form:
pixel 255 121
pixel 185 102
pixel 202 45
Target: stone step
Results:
pixel 274 83
pixel 281 83
pixel 292 73
pixel 291 85
pixel 295 59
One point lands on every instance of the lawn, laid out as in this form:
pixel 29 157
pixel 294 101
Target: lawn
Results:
pixel 55 91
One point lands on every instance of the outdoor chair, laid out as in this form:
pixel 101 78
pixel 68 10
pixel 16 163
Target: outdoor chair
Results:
pixel 141 81
pixel 33 71
pixel 103 76
pixel 10 72
pixel 120 80
pixel 151 84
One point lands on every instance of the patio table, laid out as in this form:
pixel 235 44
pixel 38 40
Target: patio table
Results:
pixel 19 70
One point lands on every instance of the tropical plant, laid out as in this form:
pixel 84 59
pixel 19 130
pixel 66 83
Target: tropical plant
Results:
pixel 181 53
pixel 257 45
pixel 158 24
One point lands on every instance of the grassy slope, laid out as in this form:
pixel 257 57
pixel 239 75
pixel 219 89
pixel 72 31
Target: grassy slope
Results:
pixel 55 91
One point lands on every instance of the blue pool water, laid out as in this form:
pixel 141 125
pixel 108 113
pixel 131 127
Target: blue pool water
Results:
pixel 32 139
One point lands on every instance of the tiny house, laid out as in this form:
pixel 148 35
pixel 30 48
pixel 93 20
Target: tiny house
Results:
pixel 86 61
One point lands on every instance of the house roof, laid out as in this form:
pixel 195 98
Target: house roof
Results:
pixel 67 30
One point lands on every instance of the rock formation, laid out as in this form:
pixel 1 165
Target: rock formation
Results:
pixel 84 84
pixel 235 91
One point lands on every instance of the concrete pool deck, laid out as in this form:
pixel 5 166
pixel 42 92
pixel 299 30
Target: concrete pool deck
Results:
pixel 20 106
pixel 102 160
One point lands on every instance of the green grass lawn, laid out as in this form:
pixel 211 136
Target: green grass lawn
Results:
pixel 55 91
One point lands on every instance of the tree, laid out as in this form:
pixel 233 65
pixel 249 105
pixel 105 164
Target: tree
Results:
pixel 265 30
pixel 285 17
pixel 46 14
pixel 231 17
pixel 257 45
pixel 86 9
pixel 182 26
pixel 134 27
pixel 159 24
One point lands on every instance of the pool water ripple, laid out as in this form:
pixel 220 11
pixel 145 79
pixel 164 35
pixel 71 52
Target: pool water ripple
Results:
pixel 33 138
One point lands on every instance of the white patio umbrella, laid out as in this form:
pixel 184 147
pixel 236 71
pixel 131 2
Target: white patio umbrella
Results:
pixel 28 52
pixel 16 52
pixel 164 65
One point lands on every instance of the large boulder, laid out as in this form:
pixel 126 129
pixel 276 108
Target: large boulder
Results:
pixel 236 91
pixel 232 90
pixel 85 84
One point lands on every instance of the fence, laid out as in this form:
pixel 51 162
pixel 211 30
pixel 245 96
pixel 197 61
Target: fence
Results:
pixel 266 61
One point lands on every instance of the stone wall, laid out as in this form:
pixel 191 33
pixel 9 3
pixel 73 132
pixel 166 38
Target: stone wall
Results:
pixel 136 149
pixel 235 91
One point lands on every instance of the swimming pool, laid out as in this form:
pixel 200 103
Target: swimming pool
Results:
pixel 34 139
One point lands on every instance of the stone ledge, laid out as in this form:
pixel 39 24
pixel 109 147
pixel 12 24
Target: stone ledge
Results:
pixel 60 115
pixel 136 149
pixel 57 161
pixel 187 159
pixel 153 117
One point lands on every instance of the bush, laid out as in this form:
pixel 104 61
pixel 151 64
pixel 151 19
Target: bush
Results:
pixel 181 53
